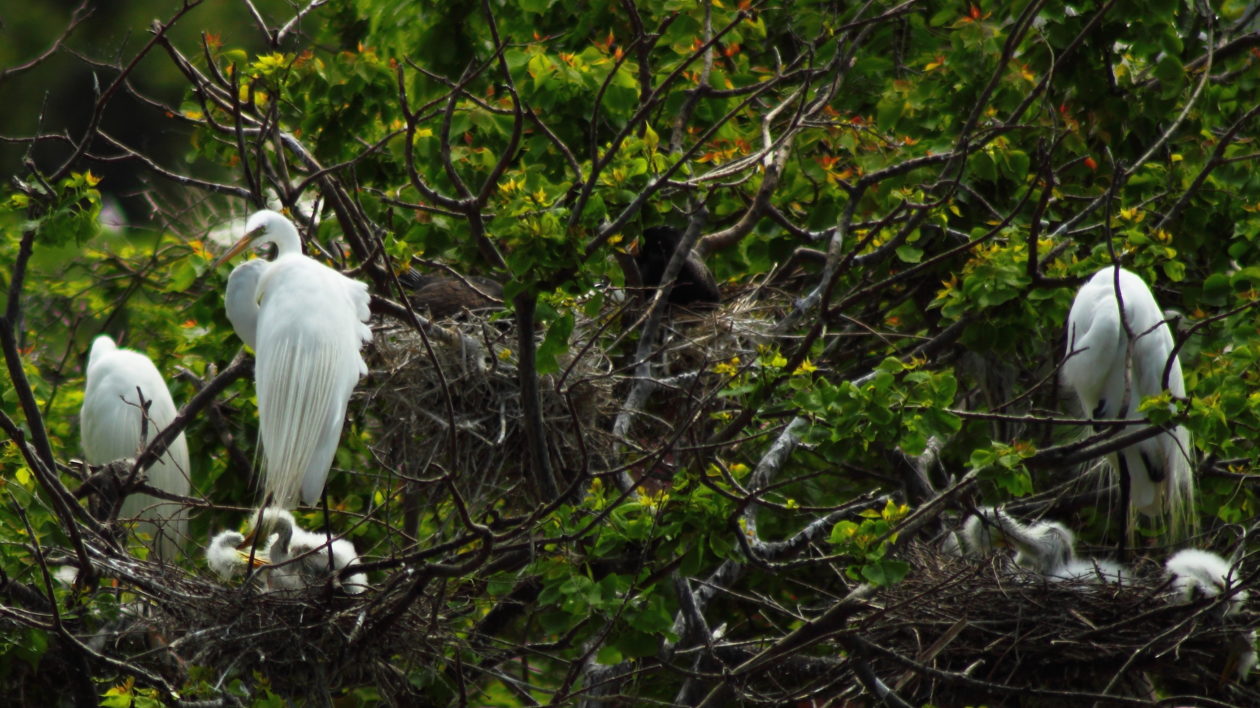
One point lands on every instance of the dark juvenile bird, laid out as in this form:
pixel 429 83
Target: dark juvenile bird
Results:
pixel 446 296
pixel 695 284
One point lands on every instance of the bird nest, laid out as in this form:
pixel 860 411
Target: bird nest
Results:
pixel 302 643
pixel 959 631
pixel 466 381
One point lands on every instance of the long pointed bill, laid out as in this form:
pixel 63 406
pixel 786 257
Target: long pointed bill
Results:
pixel 248 541
pixel 237 247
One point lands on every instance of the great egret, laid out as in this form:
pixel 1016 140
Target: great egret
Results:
pixel 694 284
pixel 309 327
pixel 1043 547
pixel 112 421
pixel 241 299
pixel 1092 570
pixel 1197 573
pixel 223 556
pixel 976 538
pixel 301 557
pixel 1107 373
pixel 1046 547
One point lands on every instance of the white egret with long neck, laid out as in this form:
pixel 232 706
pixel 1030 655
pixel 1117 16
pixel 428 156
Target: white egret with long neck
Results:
pixel 115 426
pixel 1115 358
pixel 306 323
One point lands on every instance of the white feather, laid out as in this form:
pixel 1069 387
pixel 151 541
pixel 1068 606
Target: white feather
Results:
pixel 976 538
pixel 241 299
pixel 310 328
pixel 1096 369
pixel 1199 573
pixel 222 555
pixel 1091 570
pixel 111 420
pixel 301 557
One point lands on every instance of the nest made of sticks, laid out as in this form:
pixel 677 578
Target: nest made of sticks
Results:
pixel 470 382
pixel 985 628
pixel 304 643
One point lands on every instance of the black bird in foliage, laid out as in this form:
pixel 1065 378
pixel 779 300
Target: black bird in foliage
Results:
pixel 695 284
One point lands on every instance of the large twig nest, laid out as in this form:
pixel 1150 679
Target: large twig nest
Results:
pixel 991 627
pixel 470 383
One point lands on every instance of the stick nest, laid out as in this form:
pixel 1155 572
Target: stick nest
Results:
pixel 996 630
pixel 302 642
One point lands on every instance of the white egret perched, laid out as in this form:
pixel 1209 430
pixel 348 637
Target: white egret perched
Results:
pixel 301 557
pixel 112 421
pixel 308 329
pixel 1115 360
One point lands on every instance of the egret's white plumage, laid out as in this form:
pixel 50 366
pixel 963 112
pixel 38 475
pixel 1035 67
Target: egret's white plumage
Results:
pixel 112 420
pixel 223 557
pixel 301 557
pixel 1047 548
pixel 1099 369
pixel 309 328
pixel 1091 570
pixel 241 299
pixel 976 538
pixel 1198 573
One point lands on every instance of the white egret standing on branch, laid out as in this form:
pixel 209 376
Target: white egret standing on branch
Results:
pixel 308 325
pixel 112 421
pixel 1116 359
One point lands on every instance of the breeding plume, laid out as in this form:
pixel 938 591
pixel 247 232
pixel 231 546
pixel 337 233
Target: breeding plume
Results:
pixel 112 421
pixel 1115 359
pixel 305 322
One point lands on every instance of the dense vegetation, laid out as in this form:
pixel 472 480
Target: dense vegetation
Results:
pixel 590 494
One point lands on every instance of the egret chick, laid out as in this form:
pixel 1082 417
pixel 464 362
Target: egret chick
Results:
pixel 308 329
pixel 976 538
pixel 300 558
pixel 223 556
pixel 1115 361
pixel 1198 573
pixel 1092 570
pixel 112 421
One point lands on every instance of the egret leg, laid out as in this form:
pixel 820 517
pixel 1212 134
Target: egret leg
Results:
pixel 323 502
pixel 1122 550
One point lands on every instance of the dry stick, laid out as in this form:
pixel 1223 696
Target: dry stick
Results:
pixel 240 367
pixel 80 13
pixel 98 108
pixel 58 625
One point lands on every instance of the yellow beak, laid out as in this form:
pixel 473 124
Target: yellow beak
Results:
pixel 237 247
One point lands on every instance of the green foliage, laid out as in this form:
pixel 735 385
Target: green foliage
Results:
pixel 972 164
